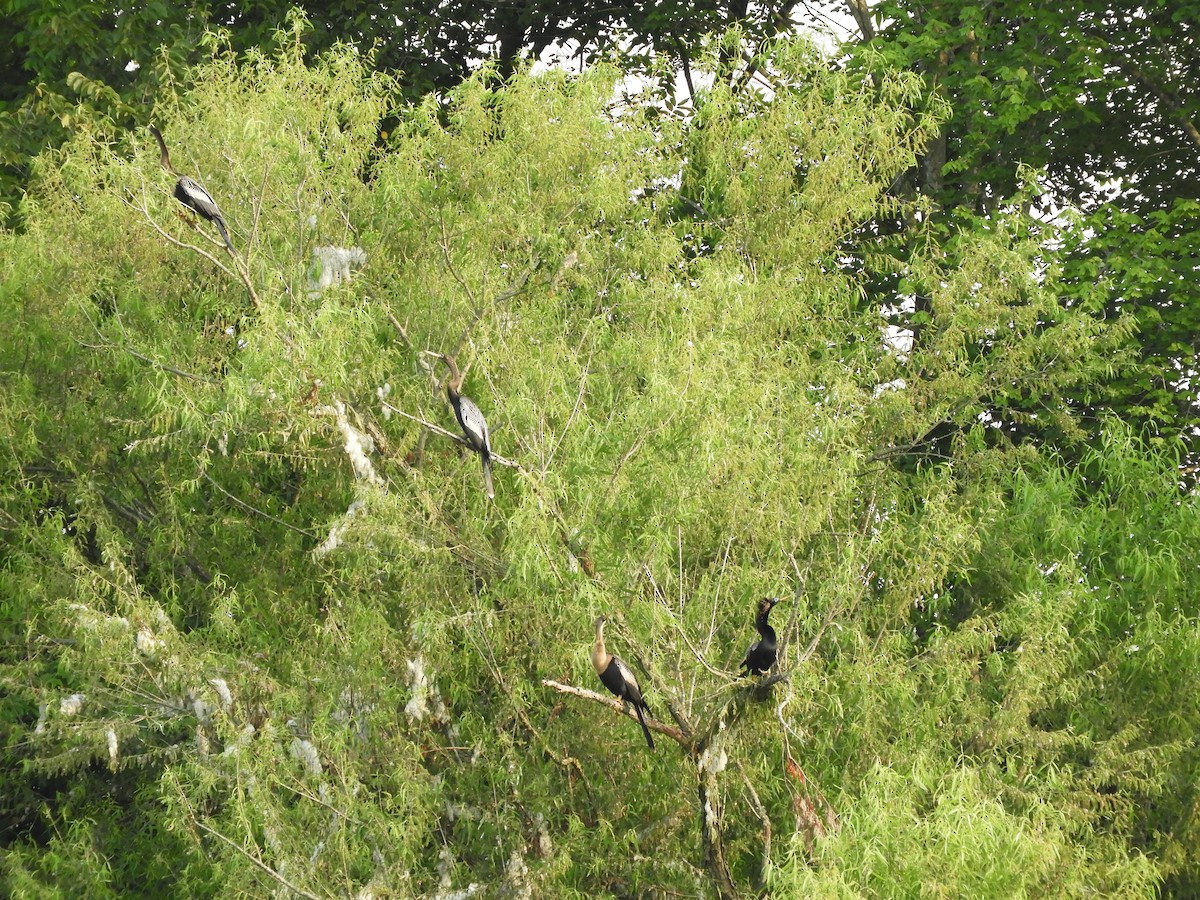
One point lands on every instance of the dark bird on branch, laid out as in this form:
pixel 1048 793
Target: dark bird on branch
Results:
pixel 470 419
pixel 761 655
pixel 619 678
pixel 191 193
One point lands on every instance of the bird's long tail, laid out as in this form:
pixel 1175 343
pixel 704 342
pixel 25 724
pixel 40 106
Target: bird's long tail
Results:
pixel 221 227
pixel 487 477
pixel 645 729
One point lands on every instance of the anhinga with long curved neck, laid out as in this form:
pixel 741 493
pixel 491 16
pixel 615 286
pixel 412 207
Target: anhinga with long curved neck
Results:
pixel 191 193
pixel 761 655
pixel 619 678
pixel 470 420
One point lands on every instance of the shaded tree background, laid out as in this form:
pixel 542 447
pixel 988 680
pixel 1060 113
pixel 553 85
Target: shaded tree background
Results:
pixel 1101 100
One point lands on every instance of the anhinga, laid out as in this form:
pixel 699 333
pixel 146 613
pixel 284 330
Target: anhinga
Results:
pixel 470 419
pixel 761 655
pixel 191 193
pixel 619 678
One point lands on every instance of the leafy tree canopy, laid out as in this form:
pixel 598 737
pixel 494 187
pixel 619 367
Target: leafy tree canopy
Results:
pixel 262 629
pixel 1103 100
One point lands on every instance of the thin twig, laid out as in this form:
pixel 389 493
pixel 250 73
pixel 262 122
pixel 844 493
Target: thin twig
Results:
pixel 445 245
pixel 329 806
pixel 712 670
pixel 258 512
pixel 163 366
pixel 254 859
pixel 637 445
pixel 761 811
pixel 242 275
pixel 178 243
pixel 518 287
pixel 109 345
pixel 256 210
pixel 562 436
pixel 672 701
pixel 421 360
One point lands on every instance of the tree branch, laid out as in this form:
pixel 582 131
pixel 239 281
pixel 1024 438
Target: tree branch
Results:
pixel 710 834
pixel 242 275
pixel 862 18
pixel 109 345
pixel 258 512
pixel 143 209
pixel 617 706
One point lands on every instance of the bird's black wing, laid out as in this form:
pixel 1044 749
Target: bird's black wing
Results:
pixel 192 194
pixel 633 691
pixel 612 678
pixel 473 424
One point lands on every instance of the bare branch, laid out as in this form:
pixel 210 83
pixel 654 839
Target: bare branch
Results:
pixel 761 811
pixel 143 209
pixel 712 670
pixel 562 436
pixel 616 705
pixel 242 275
pixel 862 18
pixel 257 208
pixel 444 243
pixel 709 792
pixel 518 287
pixel 781 21
pixel 424 363
pixel 109 345
pixel 669 697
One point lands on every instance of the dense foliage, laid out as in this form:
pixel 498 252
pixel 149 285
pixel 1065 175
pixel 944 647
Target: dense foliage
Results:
pixel 263 632
pixel 1103 101
pixel 1099 99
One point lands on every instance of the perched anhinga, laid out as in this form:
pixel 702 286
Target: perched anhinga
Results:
pixel 619 678
pixel 761 655
pixel 470 419
pixel 191 193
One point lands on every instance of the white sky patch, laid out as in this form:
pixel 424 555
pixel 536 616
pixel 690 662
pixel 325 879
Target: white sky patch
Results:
pixel 897 384
pixel 905 303
pixel 898 340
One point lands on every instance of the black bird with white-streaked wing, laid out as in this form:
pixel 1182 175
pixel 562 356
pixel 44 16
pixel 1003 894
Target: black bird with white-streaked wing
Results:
pixel 192 194
pixel 470 420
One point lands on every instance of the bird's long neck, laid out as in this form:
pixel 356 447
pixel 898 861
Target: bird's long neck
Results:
pixel 763 627
pixel 600 655
pixel 164 157
pixel 454 382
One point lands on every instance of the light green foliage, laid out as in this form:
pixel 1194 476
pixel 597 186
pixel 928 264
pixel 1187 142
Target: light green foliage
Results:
pixel 261 632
